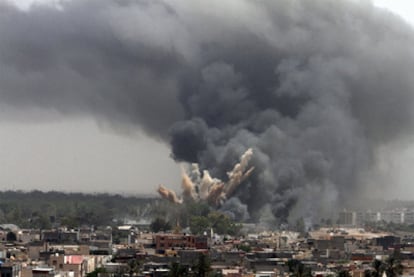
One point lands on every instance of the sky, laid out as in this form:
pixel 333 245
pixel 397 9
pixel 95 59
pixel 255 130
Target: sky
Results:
pixel 102 160
pixel 404 8
pixel 81 154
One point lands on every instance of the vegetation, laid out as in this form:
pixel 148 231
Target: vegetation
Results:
pixel 244 247
pixel 203 266
pixel 219 222
pixel 392 267
pixel 344 273
pixel 44 210
pixel 298 269
pixel 38 209
pixel 160 224
pixel 133 267
pixel 300 226
pixel 178 270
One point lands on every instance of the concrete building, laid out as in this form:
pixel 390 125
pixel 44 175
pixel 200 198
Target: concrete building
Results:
pixel 393 216
pixel 409 217
pixel 168 241
pixel 347 218
pixel 371 216
pixel 10 270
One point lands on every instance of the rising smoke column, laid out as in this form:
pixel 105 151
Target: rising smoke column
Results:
pixel 314 87
pixel 306 91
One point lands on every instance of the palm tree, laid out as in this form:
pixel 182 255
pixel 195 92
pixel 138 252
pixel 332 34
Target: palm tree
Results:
pixel 393 267
pixel 378 268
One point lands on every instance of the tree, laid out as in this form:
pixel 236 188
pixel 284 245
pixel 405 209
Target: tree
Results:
pixel 220 222
pixel 378 266
pixel 133 267
pixel 344 273
pixel 300 226
pixel 198 209
pixel 244 247
pixel 43 222
pixel 199 224
pixel 393 267
pixel 368 273
pixel 297 269
pixel 225 225
pixel 160 224
pixel 203 266
pixel 178 270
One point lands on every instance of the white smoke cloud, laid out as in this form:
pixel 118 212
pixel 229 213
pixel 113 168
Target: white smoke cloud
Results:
pixel 202 187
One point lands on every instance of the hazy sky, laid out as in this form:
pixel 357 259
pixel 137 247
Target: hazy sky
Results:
pixel 43 156
pixel 404 8
pixel 77 154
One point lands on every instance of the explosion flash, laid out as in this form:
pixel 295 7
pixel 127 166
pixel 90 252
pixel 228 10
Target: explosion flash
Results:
pixel 205 188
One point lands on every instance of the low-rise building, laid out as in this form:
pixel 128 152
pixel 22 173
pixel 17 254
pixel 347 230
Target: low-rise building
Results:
pixel 177 241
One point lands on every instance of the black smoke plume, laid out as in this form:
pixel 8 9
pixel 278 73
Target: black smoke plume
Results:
pixel 314 87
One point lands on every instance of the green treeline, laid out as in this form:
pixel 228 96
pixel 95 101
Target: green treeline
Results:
pixel 44 210
pixel 38 209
